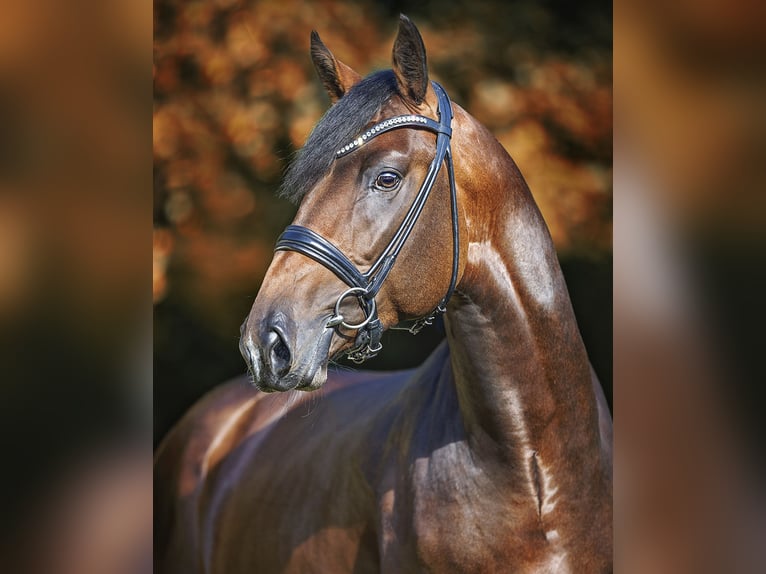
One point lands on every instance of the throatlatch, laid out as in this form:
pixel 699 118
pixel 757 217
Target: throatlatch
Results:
pixel 366 285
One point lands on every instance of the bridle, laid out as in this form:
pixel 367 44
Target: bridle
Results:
pixel 366 285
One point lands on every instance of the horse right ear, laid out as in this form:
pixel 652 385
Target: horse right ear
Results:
pixel 336 76
pixel 409 59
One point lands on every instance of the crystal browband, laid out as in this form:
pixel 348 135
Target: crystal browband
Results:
pixel 389 124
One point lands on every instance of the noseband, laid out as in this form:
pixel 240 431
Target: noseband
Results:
pixel 366 285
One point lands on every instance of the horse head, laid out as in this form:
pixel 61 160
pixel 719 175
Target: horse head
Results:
pixel 375 238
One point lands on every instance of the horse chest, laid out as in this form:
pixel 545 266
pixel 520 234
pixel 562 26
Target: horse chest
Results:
pixel 443 515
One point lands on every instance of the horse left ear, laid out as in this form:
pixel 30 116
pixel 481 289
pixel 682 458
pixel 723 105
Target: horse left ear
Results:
pixel 409 59
pixel 336 76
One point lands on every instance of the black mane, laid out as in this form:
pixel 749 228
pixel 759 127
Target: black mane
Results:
pixel 340 124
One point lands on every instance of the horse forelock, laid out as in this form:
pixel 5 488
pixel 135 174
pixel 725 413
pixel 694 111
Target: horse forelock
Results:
pixel 340 124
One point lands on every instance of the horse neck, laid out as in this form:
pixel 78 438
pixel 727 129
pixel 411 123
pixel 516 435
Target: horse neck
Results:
pixel 520 367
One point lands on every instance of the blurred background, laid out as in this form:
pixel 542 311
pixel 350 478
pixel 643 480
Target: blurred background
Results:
pixel 689 285
pixel 236 95
pixel 75 286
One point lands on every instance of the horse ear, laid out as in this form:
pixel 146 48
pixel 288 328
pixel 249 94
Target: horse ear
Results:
pixel 409 59
pixel 336 76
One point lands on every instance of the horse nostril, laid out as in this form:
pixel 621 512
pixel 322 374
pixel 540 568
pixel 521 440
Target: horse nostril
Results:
pixel 279 352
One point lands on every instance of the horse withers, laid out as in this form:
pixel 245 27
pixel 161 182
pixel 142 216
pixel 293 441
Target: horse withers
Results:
pixel 493 456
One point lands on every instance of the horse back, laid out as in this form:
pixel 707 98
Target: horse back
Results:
pixel 217 473
pixel 181 464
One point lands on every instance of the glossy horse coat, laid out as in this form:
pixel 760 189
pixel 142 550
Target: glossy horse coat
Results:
pixel 493 456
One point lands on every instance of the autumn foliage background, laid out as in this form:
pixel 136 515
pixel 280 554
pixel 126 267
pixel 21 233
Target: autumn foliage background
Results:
pixel 236 94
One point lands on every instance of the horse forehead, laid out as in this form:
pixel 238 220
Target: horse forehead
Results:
pixel 329 203
pixel 340 181
pixel 402 143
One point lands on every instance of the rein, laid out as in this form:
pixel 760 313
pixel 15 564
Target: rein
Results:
pixel 366 285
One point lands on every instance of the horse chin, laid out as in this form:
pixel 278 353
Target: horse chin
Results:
pixel 317 380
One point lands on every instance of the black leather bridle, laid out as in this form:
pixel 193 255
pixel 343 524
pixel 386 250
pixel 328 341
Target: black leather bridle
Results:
pixel 366 285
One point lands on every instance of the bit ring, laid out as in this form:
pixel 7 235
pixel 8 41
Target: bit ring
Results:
pixel 370 313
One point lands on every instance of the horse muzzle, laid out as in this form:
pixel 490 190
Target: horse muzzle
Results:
pixel 278 359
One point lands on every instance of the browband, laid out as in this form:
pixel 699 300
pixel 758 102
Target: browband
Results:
pixel 408 121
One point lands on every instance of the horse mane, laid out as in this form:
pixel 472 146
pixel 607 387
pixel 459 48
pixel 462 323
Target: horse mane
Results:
pixel 340 124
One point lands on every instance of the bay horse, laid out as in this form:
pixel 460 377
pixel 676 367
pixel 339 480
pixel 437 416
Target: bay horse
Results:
pixel 494 456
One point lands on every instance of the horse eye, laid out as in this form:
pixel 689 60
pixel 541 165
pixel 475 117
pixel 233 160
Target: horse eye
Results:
pixel 387 180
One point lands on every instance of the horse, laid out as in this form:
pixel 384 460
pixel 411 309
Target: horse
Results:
pixel 493 456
